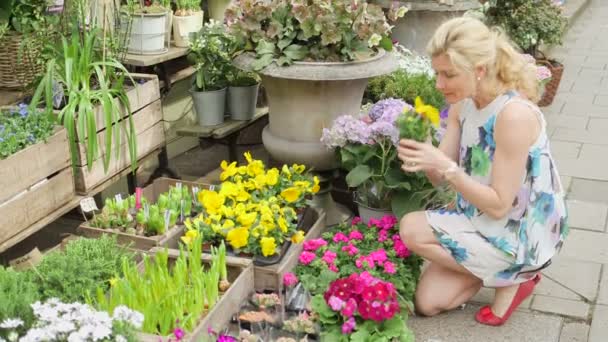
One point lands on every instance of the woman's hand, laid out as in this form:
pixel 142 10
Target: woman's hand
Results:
pixel 417 156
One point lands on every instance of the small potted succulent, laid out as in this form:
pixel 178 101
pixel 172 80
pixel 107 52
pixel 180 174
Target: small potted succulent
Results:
pixel 147 23
pixel 210 55
pixel 187 19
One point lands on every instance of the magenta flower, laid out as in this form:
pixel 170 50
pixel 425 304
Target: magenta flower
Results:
pixel 389 267
pixel 388 222
pixel 356 220
pixel 340 237
pixel 400 248
pixel 336 303
pixel 367 279
pixel 378 256
pixel 350 249
pixel 179 333
pixel 364 259
pixel 313 245
pixel 333 268
pixel 289 279
pixel 382 236
pixel 226 338
pixel 329 257
pixel 373 222
pixel 307 257
pixel 355 235
pixel 350 307
pixel 349 326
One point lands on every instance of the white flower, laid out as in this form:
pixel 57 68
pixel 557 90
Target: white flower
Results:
pixel 123 313
pixel 13 336
pixel 11 323
pixel 101 332
pixel 374 40
pixel 120 338
pixel 401 11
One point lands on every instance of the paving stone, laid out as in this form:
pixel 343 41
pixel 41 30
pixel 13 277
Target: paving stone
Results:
pixel 560 306
pixel 568 96
pixel 587 215
pixel 574 332
pixel 567 121
pixel 581 277
pixel 588 190
pixel 566 182
pixel 486 296
pixel 602 297
pixel 597 125
pixel 551 288
pixel 588 246
pixel 460 326
pixel 589 86
pixel 599 325
pixel 586 109
pixel 601 100
pixel 597 62
pixel 565 149
pixel 580 136
pixel 582 167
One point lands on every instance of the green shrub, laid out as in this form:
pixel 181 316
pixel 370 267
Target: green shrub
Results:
pixel 402 85
pixel 17 292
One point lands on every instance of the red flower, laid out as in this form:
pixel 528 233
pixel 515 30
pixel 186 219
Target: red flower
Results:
pixel 350 308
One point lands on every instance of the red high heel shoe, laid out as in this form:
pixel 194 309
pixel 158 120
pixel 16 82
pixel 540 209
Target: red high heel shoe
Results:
pixel 487 317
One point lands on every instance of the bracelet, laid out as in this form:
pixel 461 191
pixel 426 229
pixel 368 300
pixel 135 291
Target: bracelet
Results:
pixel 449 173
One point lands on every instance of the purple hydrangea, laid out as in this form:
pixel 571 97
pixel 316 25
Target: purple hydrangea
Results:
pixel 388 110
pixel 346 129
pixel 383 129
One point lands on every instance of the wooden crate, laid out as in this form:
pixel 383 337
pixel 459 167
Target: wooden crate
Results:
pixel 147 115
pixel 34 182
pixel 151 192
pixel 240 275
pixel 271 277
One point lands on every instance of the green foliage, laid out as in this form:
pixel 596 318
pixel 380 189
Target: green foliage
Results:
pixel 406 86
pixel 167 294
pixel 24 16
pixel 85 265
pixel 210 53
pixel 87 78
pixel 17 292
pixel 528 23
pixel 287 31
pixel 20 128
pixel 188 6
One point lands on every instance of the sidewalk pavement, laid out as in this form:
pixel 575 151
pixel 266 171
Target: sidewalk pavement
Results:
pixel 571 302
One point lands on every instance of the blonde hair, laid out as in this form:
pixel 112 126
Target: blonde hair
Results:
pixel 469 43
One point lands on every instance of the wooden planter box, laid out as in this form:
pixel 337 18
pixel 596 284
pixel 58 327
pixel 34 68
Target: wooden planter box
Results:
pixel 151 192
pixel 147 114
pixel 34 182
pixel 240 275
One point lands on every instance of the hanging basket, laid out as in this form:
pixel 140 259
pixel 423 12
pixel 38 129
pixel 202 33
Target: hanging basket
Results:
pixel 18 65
pixel 557 70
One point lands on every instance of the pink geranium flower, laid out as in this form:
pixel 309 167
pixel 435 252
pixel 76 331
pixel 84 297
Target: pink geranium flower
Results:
pixel 329 257
pixel 340 237
pixel 355 235
pixel 389 267
pixel 350 249
pixel 400 248
pixel 356 220
pixel 333 268
pixel 378 256
pixel 313 245
pixel 382 236
pixel 365 259
pixel 307 257
pixel 349 326
pixel 349 308
pixel 336 303
pixel 289 279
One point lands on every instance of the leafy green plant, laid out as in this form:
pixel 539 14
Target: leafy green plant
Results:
pixel 288 31
pixel 403 85
pixel 210 54
pixel 187 7
pixel 87 78
pixel 140 7
pixel 528 23
pixel 85 265
pixel 167 294
pixel 20 128
pixel 17 292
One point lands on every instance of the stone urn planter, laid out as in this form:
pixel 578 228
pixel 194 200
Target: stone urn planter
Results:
pixel 416 28
pixel 303 99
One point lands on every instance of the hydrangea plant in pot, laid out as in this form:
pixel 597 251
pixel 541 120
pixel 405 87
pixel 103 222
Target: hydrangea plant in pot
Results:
pixel 314 59
pixel 210 55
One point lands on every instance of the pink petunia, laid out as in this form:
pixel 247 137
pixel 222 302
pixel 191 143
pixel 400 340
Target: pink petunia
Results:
pixel 382 235
pixel 329 257
pixel 307 257
pixel 350 249
pixel 373 222
pixel 340 237
pixel 388 222
pixel 356 220
pixel 313 245
pixel 289 279
pixel 400 248
pixel 355 235
pixel 349 326
pixel 350 307
pixel 364 259
pixel 389 267
pixel 378 256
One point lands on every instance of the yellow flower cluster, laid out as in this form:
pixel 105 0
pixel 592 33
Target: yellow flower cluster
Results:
pixel 254 208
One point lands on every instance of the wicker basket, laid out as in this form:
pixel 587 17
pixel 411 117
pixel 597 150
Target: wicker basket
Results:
pixel 557 70
pixel 18 65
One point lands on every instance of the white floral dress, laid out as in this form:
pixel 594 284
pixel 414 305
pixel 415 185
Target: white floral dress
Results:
pixel 510 250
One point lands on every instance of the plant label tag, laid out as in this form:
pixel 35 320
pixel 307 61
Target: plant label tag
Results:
pixel 31 259
pixel 118 198
pixel 147 211
pixel 88 205
pixel 181 211
pixel 138 193
pixel 55 6
pixel 167 218
pixel 195 191
pixel 212 187
pixel 178 185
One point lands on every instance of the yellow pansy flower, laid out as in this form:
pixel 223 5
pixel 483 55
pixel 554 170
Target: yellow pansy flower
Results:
pixel 283 224
pixel 291 194
pixel 190 236
pixel 211 201
pixel 298 237
pixel 285 170
pixel 188 223
pixel 427 111
pixel 249 184
pixel 229 170
pixel 304 185
pixel 298 168
pixel 229 189
pixel 243 196
pixel 247 219
pixel 260 181
pixel 237 238
pixel 269 246
pixel 227 211
pixel 315 187
pixel 241 170
pixel 272 177
pixel 248 157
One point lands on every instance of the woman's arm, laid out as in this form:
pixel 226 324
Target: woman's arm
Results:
pixel 517 127
pixel 450 144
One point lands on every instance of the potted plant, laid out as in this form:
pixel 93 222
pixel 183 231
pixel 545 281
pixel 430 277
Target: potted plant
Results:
pixel 187 19
pixel 217 8
pixel 209 53
pixel 530 25
pixel 243 90
pixel 147 24
pixel 366 147
pixel 303 47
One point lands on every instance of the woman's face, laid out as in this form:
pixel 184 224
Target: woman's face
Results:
pixel 455 84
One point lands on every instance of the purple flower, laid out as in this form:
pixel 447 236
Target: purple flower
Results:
pixel 23 110
pixel 226 338
pixel 346 129
pixel 336 303
pixel 179 333
pixel 349 326
pixel 384 129
pixel 387 110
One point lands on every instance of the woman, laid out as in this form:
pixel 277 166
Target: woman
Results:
pixel 510 217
